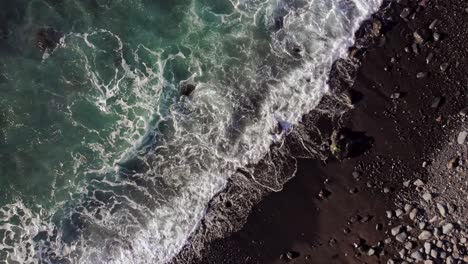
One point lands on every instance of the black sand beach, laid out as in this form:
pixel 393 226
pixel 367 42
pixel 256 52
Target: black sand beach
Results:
pixel 409 103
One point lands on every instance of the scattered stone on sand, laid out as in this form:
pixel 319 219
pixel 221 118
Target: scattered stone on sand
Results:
pixel 401 237
pixel 396 230
pixel 447 229
pixel 442 210
pixel 421 75
pixel 405 13
pixel 462 137
pixel 436 102
pixel 425 235
pixel 444 66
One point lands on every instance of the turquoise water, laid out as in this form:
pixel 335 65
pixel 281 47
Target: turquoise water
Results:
pixel 105 156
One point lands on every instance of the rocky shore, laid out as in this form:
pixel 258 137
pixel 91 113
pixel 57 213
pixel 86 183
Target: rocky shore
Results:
pixel 394 188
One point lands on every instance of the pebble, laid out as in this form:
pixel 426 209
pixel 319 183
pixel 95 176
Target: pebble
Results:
pixel 462 137
pixel 417 256
pixel 436 102
pixel 434 253
pixel 413 213
pixel 427 197
pixel 408 207
pixel 444 66
pixel 396 230
pixel 427 248
pixel 425 235
pixel 421 75
pixel 418 183
pixel 433 24
pixel 436 36
pixel 447 229
pixel 401 237
pixel 429 58
pixel 464 111
pixel 429 261
pixel 398 212
pixel 405 13
pixel 441 209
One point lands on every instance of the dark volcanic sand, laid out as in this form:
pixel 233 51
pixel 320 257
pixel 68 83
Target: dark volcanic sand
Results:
pixel 407 131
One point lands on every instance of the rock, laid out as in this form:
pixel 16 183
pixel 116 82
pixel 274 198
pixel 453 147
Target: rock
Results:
pixel 428 261
pixel 395 95
pixel 427 197
pixel 371 252
pixel 464 111
pixel 187 89
pixel 47 39
pixel 346 143
pixel 398 212
pixel 415 48
pixel 462 137
pixel 401 237
pixel 389 214
pixel 416 255
pixel 421 75
pixel 413 214
pixel 436 102
pixel 436 36
pixel 405 13
pixel 418 183
pixel 429 58
pixel 425 235
pixel 292 255
pixel 453 163
pixel 433 24
pixel 408 207
pixel 396 230
pixel 434 253
pixel 427 248
pixel 441 209
pixel 447 228
pixel 376 28
pixel 406 183
pixel 421 36
pixel 444 66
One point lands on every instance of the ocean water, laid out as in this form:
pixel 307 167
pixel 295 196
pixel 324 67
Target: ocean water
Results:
pixel 116 133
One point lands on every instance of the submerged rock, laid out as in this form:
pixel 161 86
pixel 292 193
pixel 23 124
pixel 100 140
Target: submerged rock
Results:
pixel 47 39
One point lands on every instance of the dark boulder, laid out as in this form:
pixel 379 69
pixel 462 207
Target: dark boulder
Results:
pixel 346 143
pixel 47 39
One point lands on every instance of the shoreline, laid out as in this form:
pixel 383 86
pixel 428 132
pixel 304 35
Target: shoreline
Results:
pixel 394 106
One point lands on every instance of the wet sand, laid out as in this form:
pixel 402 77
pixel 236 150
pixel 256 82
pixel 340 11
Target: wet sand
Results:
pixel 410 108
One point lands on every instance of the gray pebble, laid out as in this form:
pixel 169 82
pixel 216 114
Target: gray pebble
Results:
pixel 462 137
pixel 401 237
pixel 425 235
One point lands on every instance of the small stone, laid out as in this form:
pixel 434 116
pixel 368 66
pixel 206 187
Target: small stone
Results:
pixel 427 248
pixel 386 190
pixel 436 36
pixel 441 209
pixel 408 207
pixel 425 235
pixel 418 38
pixel 388 241
pixel 401 237
pixel 434 253
pixel 428 261
pixel 447 229
pixel 436 102
pixel 417 256
pixel 413 214
pixel 464 111
pixel 421 75
pixel 422 225
pixel 453 163
pixel 405 13
pixel 371 252
pixel 429 58
pixel 395 95
pixel 433 24
pixel 444 66
pixel 462 137
pixel 389 214
pixel 398 212
pixel 406 183
pixel 396 230
pixel 390 261
pixel 427 197
pixel 409 245
pixel 418 183
pixel 292 255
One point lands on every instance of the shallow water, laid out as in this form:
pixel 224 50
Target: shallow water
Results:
pixel 106 154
